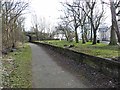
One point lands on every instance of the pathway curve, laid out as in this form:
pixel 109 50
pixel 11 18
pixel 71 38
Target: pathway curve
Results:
pixel 48 74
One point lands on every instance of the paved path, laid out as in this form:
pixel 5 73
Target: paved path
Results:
pixel 48 74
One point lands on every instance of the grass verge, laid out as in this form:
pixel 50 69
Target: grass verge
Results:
pixel 99 50
pixel 17 68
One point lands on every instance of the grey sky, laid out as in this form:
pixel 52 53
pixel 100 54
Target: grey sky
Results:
pixel 49 9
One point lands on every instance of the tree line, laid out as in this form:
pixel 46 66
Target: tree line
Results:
pixel 42 28
pixel 12 23
pixel 89 14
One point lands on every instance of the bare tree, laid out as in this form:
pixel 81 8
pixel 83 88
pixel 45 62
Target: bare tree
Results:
pixel 39 27
pixel 20 29
pixel 80 10
pixel 82 17
pixel 71 14
pixel 12 10
pixel 91 5
pixel 35 25
pixel 65 30
pixel 114 5
pixel 95 16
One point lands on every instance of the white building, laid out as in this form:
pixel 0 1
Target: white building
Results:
pixel 103 33
pixel 59 35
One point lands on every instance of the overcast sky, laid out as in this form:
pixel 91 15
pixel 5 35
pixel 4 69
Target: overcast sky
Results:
pixel 50 10
pixel 44 8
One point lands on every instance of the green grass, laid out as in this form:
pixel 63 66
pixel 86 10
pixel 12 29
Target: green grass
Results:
pixel 99 50
pixel 21 75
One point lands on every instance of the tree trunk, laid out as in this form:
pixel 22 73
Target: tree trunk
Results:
pixel 37 36
pixel 83 36
pixel 118 38
pixel 94 39
pixel 76 35
pixel 86 38
pixel 114 25
pixel 67 36
pixel 83 39
pixel 117 30
pixel 91 34
pixel 91 21
pixel 113 40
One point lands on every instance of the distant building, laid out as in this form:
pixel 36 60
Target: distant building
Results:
pixel 59 35
pixel 103 33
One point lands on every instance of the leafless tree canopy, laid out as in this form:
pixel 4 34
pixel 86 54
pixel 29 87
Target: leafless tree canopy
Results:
pixel 80 13
pixel 12 22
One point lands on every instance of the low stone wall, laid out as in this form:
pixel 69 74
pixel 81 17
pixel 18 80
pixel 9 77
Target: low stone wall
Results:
pixel 106 66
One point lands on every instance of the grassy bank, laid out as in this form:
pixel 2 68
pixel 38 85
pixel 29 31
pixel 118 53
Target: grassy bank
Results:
pixel 18 68
pixel 100 49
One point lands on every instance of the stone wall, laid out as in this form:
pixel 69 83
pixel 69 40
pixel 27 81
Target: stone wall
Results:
pixel 106 66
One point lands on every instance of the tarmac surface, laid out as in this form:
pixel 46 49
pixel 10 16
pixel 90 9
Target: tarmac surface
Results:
pixel 47 73
pixel 54 70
